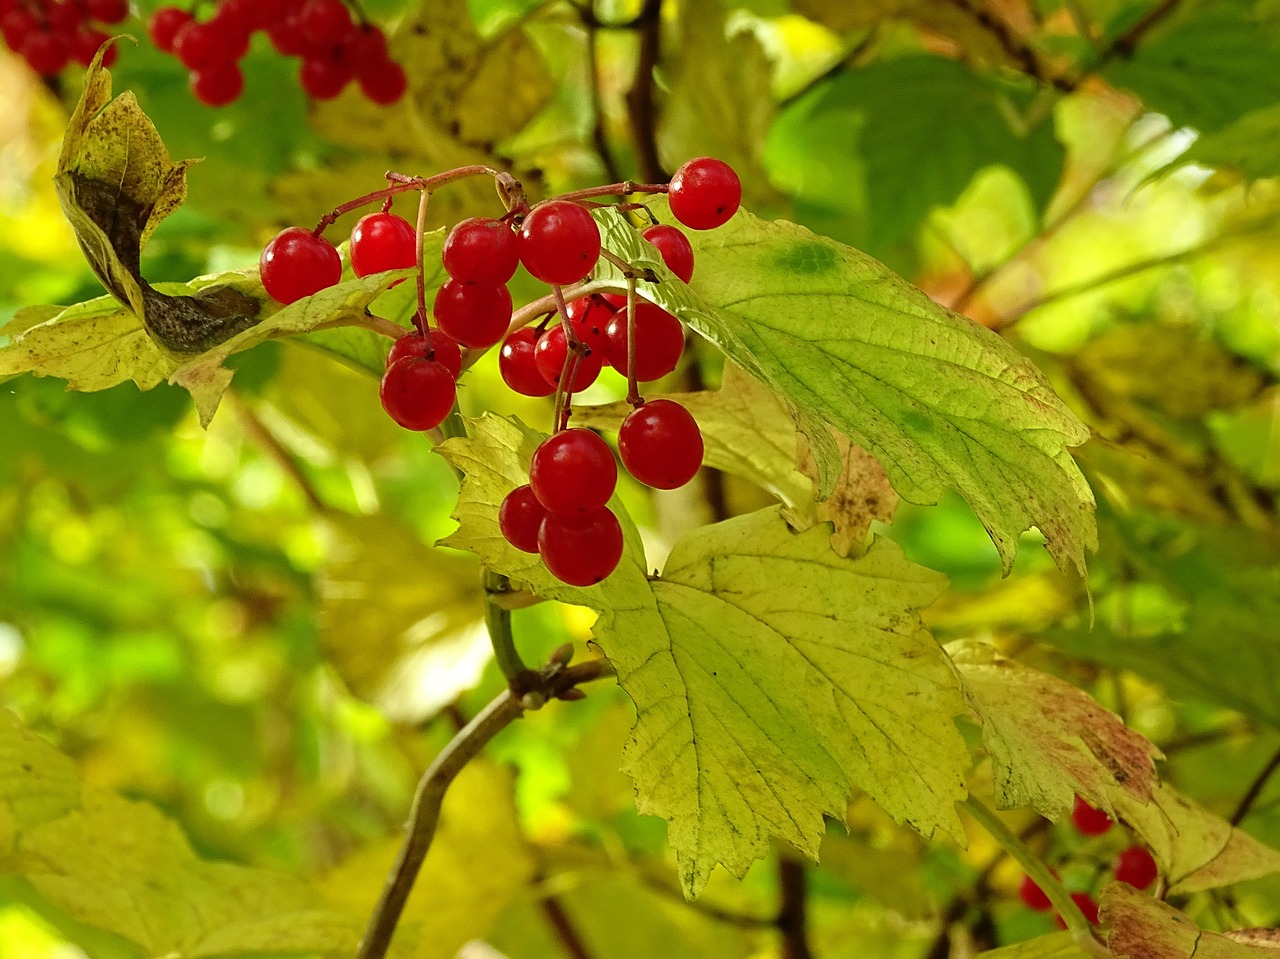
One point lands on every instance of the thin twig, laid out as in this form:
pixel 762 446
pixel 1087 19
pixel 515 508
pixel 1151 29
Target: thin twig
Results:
pixel 553 681
pixel 568 935
pixel 497 618
pixel 1255 790
pixel 791 911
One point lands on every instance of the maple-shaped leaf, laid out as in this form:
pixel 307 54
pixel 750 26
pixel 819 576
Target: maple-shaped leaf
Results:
pixel 1048 740
pixel 1140 927
pixel 938 400
pixel 772 676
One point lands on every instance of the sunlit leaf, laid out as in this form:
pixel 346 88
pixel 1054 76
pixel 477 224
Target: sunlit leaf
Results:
pixel 1058 945
pixel 1050 741
pixel 938 400
pixel 37 782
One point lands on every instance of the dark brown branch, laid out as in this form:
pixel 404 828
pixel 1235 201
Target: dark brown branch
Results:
pixel 792 882
pixel 553 681
pixel 1015 48
pixel 640 105
pixel 569 937
pixel 1255 790
pixel 1127 42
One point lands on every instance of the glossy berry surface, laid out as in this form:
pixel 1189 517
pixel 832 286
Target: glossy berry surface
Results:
pixel 573 471
pixel 704 193
pixel 481 250
pixel 296 263
pixel 417 393
pixel 517 365
pixel 1090 821
pixel 549 354
pixel 217 84
pixel 559 242
pixel 659 342
pixel 581 549
pixel 660 444
pixel 1137 867
pixel 474 314
pixel 1033 896
pixel 520 518
pixel 382 241
pixel 677 253
pixel 590 316
pixel 415 344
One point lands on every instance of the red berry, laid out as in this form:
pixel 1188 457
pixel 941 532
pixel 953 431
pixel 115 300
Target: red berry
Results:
pixel 296 263
pixel 198 45
pixel 384 83
pixel 85 43
pixel 286 38
pixel 1087 906
pixel 1137 867
pixel 323 23
pixel 475 314
pixel 517 366
pixel 674 246
pixel 237 17
pixel 520 518
pixel 218 84
pixel 581 549
pixel 590 316
pixel 704 193
pixel 415 344
pixel 46 53
pixel 64 18
pixel 559 242
pixel 382 241
pixel 660 444
pixel 106 11
pixel 549 354
pixel 322 78
pixel 1090 821
pixel 481 250
pixel 659 341
pixel 17 25
pixel 1033 896
pixel 363 46
pixel 417 393
pixel 164 26
pixel 573 471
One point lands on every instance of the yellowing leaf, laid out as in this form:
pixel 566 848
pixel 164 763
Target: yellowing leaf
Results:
pixel 124 867
pixel 37 783
pixel 938 400
pixel 478 864
pixel 1145 928
pixel 1048 739
pixel 862 493
pixel 1196 849
pixel 1058 945
pixel 772 676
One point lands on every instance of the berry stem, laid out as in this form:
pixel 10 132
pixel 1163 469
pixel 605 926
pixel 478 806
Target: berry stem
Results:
pixel 625 188
pixel 573 347
pixel 399 183
pixel 420 318
pixel 497 618
pixel 633 386
pixel 628 271
pixel 1077 924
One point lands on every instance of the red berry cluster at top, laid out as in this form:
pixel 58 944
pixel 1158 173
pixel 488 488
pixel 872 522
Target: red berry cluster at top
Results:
pixel 1133 865
pixel 52 34
pixel 335 49
pixel 562 514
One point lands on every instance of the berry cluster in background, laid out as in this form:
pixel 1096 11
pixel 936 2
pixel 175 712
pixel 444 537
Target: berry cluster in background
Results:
pixel 562 514
pixel 1134 865
pixel 335 49
pixel 50 35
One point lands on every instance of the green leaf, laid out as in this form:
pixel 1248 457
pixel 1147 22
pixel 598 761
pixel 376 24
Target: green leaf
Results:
pixel 1251 144
pixel 937 399
pixel 1048 739
pixel 1205 69
pixel 1057 945
pixel 37 783
pixel 1145 928
pixel 123 867
pixel 854 144
pixel 760 709
pixel 1196 849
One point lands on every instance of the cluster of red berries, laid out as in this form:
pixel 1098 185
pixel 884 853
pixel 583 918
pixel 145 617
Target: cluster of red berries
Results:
pixel 1134 865
pixel 562 513
pixel 51 34
pixel 334 48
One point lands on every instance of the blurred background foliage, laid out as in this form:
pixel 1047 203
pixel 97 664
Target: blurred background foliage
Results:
pixel 249 628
